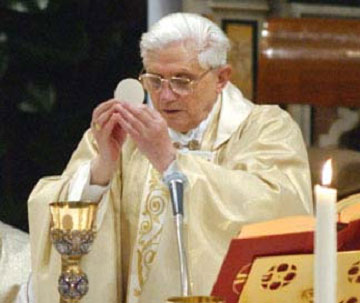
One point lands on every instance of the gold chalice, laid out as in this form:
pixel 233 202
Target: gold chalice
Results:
pixel 196 299
pixel 72 233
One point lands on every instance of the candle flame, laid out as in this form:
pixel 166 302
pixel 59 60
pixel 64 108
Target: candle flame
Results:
pixel 327 173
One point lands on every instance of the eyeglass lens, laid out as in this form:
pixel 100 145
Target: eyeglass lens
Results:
pixel 177 85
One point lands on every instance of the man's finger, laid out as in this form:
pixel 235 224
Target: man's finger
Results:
pixel 134 133
pixel 103 118
pixel 140 112
pixel 103 107
pixel 132 119
pixel 108 127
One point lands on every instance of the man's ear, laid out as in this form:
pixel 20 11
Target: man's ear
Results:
pixel 223 75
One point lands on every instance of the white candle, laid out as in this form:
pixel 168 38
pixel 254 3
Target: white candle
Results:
pixel 325 239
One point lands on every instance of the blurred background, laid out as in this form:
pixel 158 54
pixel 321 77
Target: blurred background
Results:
pixel 58 60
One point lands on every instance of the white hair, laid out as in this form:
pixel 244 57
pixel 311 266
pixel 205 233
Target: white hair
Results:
pixel 210 41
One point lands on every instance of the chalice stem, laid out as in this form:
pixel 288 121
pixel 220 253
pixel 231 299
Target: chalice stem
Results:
pixel 73 283
pixel 184 272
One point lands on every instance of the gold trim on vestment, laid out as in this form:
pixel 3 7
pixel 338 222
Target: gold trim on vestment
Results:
pixel 150 227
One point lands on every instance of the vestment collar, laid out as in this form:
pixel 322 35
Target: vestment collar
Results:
pixel 234 110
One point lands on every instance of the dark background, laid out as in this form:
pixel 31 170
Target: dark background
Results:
pixel 56 64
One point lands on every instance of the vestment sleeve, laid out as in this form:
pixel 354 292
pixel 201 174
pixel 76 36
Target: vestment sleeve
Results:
pixel 261 173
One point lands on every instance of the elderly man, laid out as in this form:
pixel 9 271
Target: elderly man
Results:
pixel 14 262
pixel 244 163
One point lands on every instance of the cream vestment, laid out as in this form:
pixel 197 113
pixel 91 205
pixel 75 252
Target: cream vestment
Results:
pixel 252 166
pixel 14 261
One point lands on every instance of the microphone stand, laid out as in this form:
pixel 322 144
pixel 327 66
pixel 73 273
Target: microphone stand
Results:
pixel 176 181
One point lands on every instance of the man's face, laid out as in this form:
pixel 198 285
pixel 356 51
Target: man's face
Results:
pixel 182 112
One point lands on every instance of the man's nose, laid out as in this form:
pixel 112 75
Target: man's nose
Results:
pixel 166 92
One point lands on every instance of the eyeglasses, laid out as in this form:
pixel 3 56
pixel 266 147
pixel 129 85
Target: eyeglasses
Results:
pixel 179 85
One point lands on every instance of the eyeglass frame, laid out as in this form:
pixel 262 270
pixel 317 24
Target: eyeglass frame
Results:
pixel 191 82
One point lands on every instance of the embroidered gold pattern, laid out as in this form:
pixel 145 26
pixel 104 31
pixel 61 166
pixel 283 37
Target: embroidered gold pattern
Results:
pixel 192 145
pixel 150 228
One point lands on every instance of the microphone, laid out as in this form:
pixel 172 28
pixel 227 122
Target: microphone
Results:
pixel 176 182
